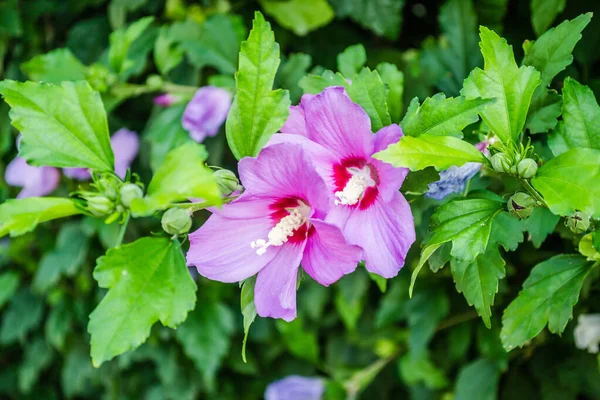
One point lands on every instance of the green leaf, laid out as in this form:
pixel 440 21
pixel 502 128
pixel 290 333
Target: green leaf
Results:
pixel 544 12
pixel 58 324
pixel 441 116
pixel 257 111
pixel 352 60
pixel 299 16
pixel 417 183
pixel 425 312
pixel 426 150
pixel 148 281
pixel 300 342
pixel 384 17
pixel 23 314
pixel 512 87
pixel 77 372
pixel 491 13
pixel 478 380
pixel 478 281
pixel 507 231
pixel 369 92
pixel 62 125
pixel 581 116
pixel 415 370
pixel 167 52
pixel 164 132
pixel 544 111
pixel 206 337
pixel 21 216
pixel 569 182
pixel 548 297
pixel 540 224
pixel 313 84
pixel 350 297
pixel 394 81
pixel 54 67
pixel 595 240
pixel 121 41
pixel 181 176
pixel 291 72
pixel 9 283
pixel 38 356
pixel 248 309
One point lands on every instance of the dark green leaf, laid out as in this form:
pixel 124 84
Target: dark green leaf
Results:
pixel 478 380
pixel 9 283
pixel 300 341
pixel 291 72
pixel 543 13
pixel 120 42
pixel 165 133
pixel 350 297
pixel 23 314
pixel 38 356
pixel 540 224
pixel 417 182
pixel 248 309
pixel 507 231
pixel 581 116
pixel 384 17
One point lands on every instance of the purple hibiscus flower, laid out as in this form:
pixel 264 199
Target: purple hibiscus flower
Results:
pixel 35 181
pixel 125 145
pixel 274 226
pixel 453 179
pixel 367 204
pixel 206 112
pixel 295 387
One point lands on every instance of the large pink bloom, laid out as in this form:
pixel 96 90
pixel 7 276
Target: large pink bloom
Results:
pixel 367 204
pixel 273 227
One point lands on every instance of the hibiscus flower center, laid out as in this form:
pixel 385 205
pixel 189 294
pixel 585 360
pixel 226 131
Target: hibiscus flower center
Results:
pixel 356 182
pixel 292 221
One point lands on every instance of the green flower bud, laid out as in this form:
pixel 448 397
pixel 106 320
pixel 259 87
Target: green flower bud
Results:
pixel 521 205
pixel 578 222
pixel 501 162
pixel 227 181
pixel 128 192
pixel 154 81
pixel 109 185
pixel 99 206
pixel 587 249
pixel 176 221
pixel 513 170
pixel 527 168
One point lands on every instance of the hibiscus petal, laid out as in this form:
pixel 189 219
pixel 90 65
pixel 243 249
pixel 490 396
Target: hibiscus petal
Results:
pixel 244 207
pixel 390 178
pixel 385 231
pixel 338 124
pixel 328 256
pixel 18 171
pixel 206 112
pixel 282 170
pixel 275 290
pixel 36 181
pixel 125 145
pixel 80 174
pixel 221 249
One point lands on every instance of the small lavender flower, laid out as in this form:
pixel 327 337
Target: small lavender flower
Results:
pixel 587 332
pixel 206 112
pixel 295 387
pixel 165 100
pixel 35 181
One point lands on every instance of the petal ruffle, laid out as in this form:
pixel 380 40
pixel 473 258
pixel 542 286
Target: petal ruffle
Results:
pixel 390 178
pixel 328 256
pixel 275 290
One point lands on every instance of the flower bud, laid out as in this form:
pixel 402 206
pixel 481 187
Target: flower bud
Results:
pixel 176 221
pixel 99 206
pixel 154 81
pixel 130 191
pixel 227 181
pixel 527 168
pixel 578 222
pixel 501 162
pixel 521 205
pixel 109 185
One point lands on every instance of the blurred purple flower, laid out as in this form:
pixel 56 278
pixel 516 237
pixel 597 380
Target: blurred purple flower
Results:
pixel 165 100
pixel 274 226
pixel 125 145
pixel 206 112
pixel 453 179
pixel 368 207
pixel 35 181
pixel 296 387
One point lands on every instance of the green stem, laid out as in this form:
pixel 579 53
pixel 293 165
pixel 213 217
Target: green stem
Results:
pixel 361 379
pixel 174 88
pixel 533 192
pixel 123 230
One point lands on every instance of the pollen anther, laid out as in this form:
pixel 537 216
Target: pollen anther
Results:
pixel 282 231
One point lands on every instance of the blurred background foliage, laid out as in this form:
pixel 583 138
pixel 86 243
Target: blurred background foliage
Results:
pixel 365 336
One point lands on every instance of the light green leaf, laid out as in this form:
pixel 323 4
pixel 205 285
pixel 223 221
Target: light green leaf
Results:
pixel 54 67
pixel 23 314
pixel 369 92
pixel 300 342
pixel 424 151
pixel 206 337
pixel 148 281
pixel 441 116
pixel 557 142
pixel 181 176
pixel 512 87
pixel 62 125
pixel 478 380
pixel 544 12
pixel 314 84
pixel 544 111
pixel 394 81
pixel 478 281
pixel 569 182
pixel 540 224
pixel 581 116
pixel 491 13
pixel 299 16
pixel 291 72
pixel 121 41
pixel 38 356
pixel 257 111
pixel 352 60
pixel 167 52
pixel 9 283
pixel 21 216
pixel 384 17
pixel 548 297
pixel 248 309
pixel 350 297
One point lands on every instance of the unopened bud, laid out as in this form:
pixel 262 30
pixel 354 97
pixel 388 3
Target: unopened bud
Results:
pixel 176 221
pixel 527 168
pixel 578 222
pixel 129 192
pixel 99 206
pixel 521 205
pixel 154 81
pixel 109 185
pixel 501 162
pixel 227 181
